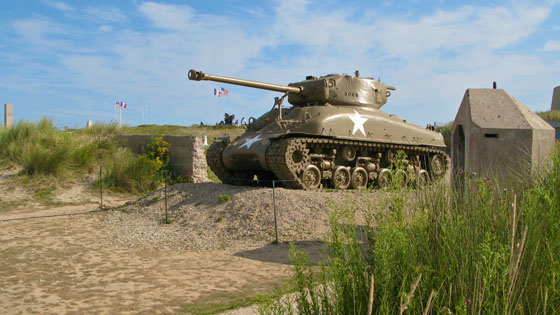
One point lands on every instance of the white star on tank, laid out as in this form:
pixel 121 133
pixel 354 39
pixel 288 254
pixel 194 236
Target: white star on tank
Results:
pixel 250 142
pixel 358 123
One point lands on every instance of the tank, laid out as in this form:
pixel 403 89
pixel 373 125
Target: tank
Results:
pixel 334 134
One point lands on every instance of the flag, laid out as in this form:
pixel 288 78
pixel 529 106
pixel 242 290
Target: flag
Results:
pixel 218 93
pixel 225 92
pixel 118 104
pixel 124 105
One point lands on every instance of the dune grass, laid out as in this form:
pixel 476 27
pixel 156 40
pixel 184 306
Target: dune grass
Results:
pixel 550 115
pixel 51 157
pixel 481 250
pixel 41 149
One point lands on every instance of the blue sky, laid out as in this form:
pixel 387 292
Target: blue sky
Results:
pixel 71 60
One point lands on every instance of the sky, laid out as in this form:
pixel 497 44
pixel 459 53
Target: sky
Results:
pixel 72 60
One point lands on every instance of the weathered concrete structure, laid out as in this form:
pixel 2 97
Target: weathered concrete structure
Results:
pixel 8 115
pixel 496 136
pixel 186 154
pixel 555 104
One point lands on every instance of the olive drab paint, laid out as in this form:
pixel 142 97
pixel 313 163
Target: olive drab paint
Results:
pixel 334 134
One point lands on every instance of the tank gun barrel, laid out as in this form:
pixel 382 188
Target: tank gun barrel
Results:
pixel 198 75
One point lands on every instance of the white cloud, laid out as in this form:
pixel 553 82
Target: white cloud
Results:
pixel 105 28
pixel 552 45
pixel 40 33
pixel 60 5
pixel 106 14
pixel 168 16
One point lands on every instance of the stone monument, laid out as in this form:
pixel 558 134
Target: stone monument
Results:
pixel 8 115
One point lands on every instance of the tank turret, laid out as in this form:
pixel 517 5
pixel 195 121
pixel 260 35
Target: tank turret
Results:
pixel 333 89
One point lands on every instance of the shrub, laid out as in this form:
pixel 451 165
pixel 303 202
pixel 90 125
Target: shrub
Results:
pixel 132 174
pixel 225 198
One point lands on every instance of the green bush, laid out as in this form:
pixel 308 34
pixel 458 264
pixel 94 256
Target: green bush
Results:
pixel 132 173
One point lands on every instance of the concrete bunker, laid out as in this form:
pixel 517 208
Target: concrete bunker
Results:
pixel 496 136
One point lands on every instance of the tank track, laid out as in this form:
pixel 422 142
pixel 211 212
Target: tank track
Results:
pixel 214 159
pixel 279 152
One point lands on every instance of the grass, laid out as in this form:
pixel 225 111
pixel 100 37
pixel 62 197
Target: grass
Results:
pixel 225 198
pixel 480 249
pixel 211 132
pixel 52 158
pixel 550 115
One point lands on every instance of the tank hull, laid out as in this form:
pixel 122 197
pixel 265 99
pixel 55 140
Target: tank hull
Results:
pixel 319 132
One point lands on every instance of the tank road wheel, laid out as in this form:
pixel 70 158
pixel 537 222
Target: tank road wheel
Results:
pixel 359 178
pixel 389 156
pixel 422 179
pixel 311 177
pixel 341 178
pixel 384 178
pixel 297 157
pixel 437 165
pixel 347 154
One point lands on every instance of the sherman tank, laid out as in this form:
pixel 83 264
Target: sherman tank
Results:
pixel 334 135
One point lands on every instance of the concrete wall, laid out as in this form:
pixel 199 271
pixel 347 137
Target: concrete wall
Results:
pixel 8 115
pixel 186 154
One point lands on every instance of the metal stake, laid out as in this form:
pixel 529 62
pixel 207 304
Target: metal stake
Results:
pixel 101 186
pixel 274 205
pixel 165 191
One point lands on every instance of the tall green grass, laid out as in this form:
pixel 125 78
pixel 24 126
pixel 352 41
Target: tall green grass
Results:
pixel 41 149
pixel 550 115
pixel 50 157
pixel 482 250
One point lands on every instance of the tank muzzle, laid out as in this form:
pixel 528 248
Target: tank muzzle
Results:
pixel 196 75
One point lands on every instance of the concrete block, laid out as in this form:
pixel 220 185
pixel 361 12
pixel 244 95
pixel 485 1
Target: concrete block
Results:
pixel 8 115
pixel 496 136
pixel 186 154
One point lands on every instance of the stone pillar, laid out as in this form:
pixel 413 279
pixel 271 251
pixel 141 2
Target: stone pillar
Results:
pixel 8 115
pixel 555 105
pixel 89 124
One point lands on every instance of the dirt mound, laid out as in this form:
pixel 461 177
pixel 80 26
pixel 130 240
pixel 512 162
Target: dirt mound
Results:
pixel 201 220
